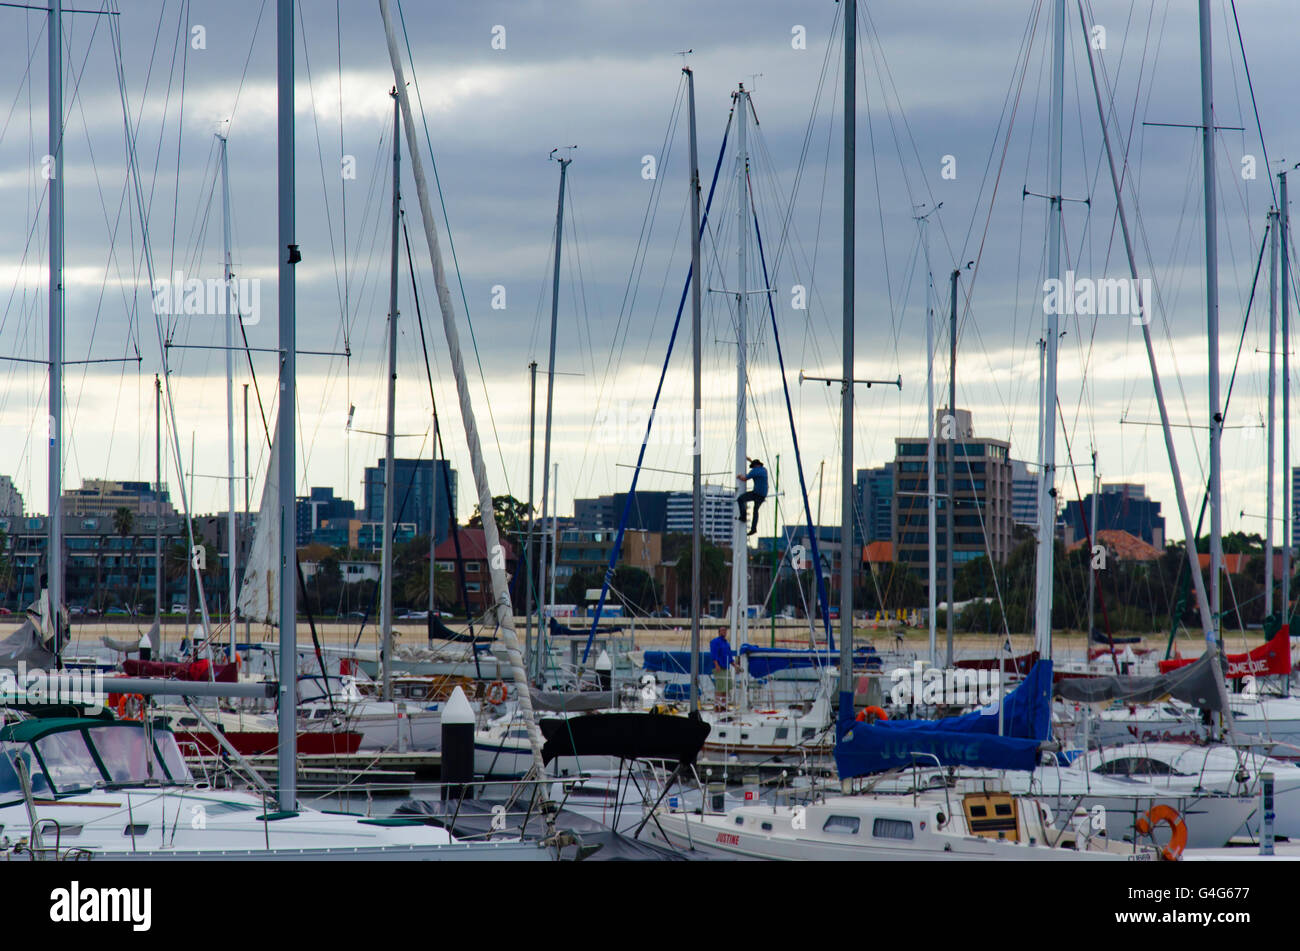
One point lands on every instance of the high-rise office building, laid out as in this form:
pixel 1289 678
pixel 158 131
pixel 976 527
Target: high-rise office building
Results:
pixel 413 495
pixel 981 488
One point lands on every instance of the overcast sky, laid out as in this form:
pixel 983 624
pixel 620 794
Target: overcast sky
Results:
pixel 942 85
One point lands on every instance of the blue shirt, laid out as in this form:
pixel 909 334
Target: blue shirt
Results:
pixel 721 652
pixel 759 475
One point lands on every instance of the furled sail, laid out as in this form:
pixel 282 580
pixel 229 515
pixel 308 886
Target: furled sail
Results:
pixel 259 595
pixel 1199 683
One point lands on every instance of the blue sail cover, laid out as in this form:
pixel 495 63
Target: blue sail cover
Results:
pixel 765 661
pixel 971 739
pixel 675 662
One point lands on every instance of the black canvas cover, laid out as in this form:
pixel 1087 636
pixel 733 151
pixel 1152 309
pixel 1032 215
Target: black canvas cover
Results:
pixel 657 736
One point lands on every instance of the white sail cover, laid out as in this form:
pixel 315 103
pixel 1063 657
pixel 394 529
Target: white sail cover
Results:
pixel 259 595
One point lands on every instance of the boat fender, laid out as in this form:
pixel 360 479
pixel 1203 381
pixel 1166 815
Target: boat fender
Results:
pixel 1167 814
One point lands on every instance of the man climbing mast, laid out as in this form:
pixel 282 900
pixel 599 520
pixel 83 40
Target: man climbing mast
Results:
pixel 757 495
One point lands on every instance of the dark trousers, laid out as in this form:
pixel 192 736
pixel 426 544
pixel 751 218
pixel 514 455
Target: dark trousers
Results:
pixel 750 496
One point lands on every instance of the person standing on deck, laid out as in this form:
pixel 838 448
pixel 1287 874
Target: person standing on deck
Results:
pixel 724 659
pixel 757 494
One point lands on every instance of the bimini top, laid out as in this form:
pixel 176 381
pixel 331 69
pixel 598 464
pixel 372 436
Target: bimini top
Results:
pixel 69 754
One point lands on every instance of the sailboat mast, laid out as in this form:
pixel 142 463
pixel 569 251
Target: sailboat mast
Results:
pixel 390 474
pixel 1184 515
pixel 550 402
pixel 247 627
pixel 530 591
pixel 1092 530
pixel 54 545
pixel 502 607
pixel 846 385
pixel 740 543
pixel 950 469
pixel 286 764
pixel 697 513
pixel 157 508
pixel 555 532
pixel 231 315
pixel 931 503
pixel 1284 279
pixel 1272 400
pixel 1212 317
pixel 1046 542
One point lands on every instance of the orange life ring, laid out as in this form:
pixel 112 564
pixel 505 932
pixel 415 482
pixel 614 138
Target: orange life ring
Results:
pixel 129 706
pixel 1162 813
pixel 496 693
pixel 876 714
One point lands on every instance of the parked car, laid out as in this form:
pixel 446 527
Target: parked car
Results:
pixel 117 612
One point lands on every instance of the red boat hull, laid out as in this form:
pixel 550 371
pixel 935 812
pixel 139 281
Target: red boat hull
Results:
pixel 260 742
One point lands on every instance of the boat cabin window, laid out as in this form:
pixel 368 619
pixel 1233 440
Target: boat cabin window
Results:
pixel 10 788
pixel 67 761
pixel 842 825
pixel 170 754
pixel 121 750
pixel 1136 766
pixel 891 829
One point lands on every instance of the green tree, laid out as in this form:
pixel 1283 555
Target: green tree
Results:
pixel 714 575
pixel 637 588
pixel 511 515
pixel 575 591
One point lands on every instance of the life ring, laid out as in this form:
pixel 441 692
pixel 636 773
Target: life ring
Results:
pixel 875 712
pixel 496 693
pixel 1162 813
pixel 130 706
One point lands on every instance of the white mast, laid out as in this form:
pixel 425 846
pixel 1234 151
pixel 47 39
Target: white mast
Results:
pixel 491 537
pixel 1284 272
pixel 285 447
pixel 931 502
pixel 1184 515
pixel 390 464
pixel 555 533
pixel 740 538
pixel 54 550
pixel 696 504
pixel 1272 398
pixel 846 384
pixel 1047 421
pixel 550 400
pixel 1211 319
pixel 231 315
